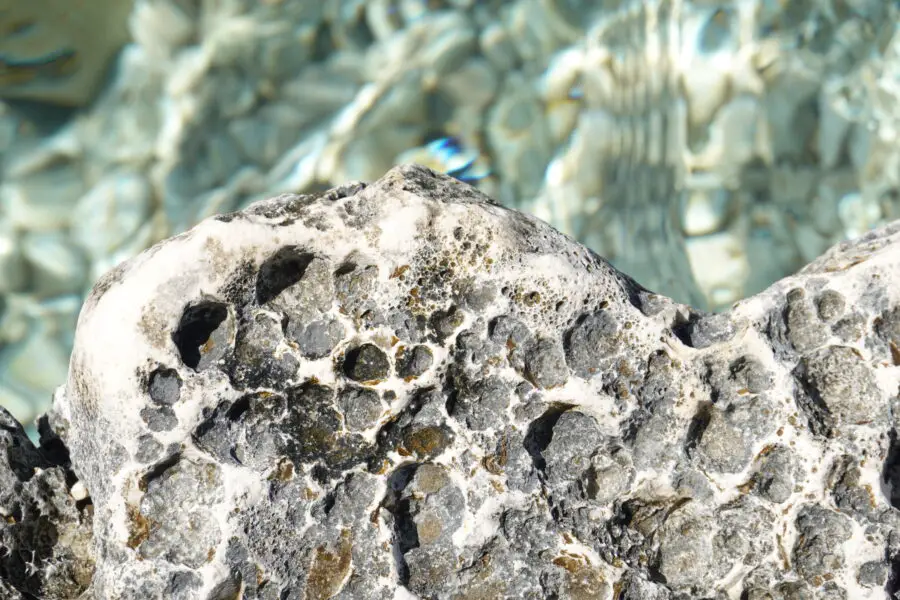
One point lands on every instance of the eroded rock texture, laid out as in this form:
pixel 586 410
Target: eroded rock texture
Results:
pixel 45 529
pixel 404 390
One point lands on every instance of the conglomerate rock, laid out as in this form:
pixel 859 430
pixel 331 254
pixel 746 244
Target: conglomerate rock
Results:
pixel 404 390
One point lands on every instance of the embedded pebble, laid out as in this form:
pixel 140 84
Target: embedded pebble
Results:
pixel 414 362
pixel 165 386
pixel 315 339
pixel 366 363
pixel 361 407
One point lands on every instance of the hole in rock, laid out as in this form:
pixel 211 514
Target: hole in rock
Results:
pixel 697 427
pixel 540 433
pixel 227 589
pixel 892 587
pixel 240 406
pixel 280 271
pixel 157 470
pixel 197 324
pixel 890 473
pixel 328 502
pixel 406 536
pixel 345 269
pixel 683 328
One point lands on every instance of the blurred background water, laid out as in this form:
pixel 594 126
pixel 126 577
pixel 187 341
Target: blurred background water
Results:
pixel 706 147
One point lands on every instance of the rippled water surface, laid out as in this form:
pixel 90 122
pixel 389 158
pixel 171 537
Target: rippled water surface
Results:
pixel 706 148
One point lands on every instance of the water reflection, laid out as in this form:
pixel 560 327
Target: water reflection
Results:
pixel 706 148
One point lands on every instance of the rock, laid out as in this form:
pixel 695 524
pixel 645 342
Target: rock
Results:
pixel 841 389
pixel 361 407
pixel 43 201
pixel 13 272
pixel 569 436
pixel 57 267
pixel 111 212
pixel 35 364
pixel 45 532
pixel 414 362
pixel 367 363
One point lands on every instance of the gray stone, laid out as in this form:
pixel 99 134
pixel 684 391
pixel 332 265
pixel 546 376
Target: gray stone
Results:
pixel 574 436
pixel 361 407
pixel 260 357
pixel 545 364
pixel 873 574
pixel 805 330
pixel 887 326
pixel 174 508
pixel 748 373
pixel 445 322
pixel 148 449
pixel 159 419
pixel 705 330
pixel 830 305
pixel 594 337
pixel 841 389
pixel 774 478
pixel 818 550
pixel 414 362
pixel 315 339
pixel 165 386
pixel 480 403
pixel 367 363
pixel 850 328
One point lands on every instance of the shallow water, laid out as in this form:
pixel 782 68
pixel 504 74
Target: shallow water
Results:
pixel 706 148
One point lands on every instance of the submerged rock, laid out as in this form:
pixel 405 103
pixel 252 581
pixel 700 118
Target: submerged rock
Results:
pixel 53 52
pixel 570 436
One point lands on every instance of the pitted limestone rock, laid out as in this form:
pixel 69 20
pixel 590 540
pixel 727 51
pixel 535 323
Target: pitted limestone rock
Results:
pixel 405 390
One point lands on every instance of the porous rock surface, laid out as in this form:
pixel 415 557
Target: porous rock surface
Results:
pixel 45 524
pixel 403 390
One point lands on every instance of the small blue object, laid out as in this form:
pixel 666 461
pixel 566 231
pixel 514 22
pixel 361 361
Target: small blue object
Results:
pixel 456 160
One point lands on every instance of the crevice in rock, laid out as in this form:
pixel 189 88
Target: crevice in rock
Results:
pixel 280 271
pixel 697 427
pixel 240 406
pixel 890 474
pixel 811 404
pixel 227 589
pixel 892 587
pixel 405 536
pixel 328 502
pixel 683 327
pixel 540 432
pixel 345 269
pixel 197 323
pixel 158 469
